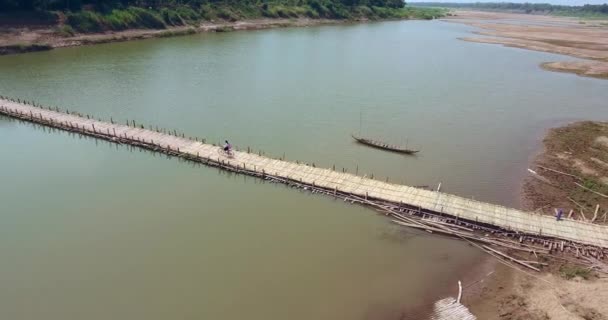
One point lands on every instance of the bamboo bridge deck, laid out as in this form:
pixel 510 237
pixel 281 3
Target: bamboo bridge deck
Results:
pixel 446 204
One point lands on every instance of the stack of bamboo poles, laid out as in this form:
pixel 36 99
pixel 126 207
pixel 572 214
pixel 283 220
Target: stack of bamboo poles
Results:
pixel 450 309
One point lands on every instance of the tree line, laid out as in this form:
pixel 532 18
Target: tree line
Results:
pixel 105 5
pixel 524 7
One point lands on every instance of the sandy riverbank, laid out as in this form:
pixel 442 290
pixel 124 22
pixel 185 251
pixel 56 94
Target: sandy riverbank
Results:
pixel 27 39
pixel 584 39
pixel 513 295
pixel 574 160
pixel 579 149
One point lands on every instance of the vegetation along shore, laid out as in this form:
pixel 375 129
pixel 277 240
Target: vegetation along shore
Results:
pixel 27 26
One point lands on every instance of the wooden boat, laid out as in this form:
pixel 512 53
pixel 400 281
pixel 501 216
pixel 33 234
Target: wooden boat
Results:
pixel 383 145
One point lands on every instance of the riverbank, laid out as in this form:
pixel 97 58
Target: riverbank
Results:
pixel 24 40
pixel 584 39
pixel 510 294
pixel 563 290
pixel 571 173
pixel 92 28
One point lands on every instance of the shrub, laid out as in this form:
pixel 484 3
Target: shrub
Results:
pixel 250 11
pixel 363 12
pixel 570 272
pixel 47 17
pixel 147 18
pixel 227 14
pixel 208 12
pixel 186 13
pixel 299 11
pixel 338 11
pixel 321 9
pixel 120 20
pixel 65 31
pixel 170 17
pixel 311 13
pixel 85 21
pixel 280 11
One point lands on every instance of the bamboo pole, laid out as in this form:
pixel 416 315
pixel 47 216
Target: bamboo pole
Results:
pixel 566 174
pixel 576 203
pixel 599 194
pixel 511 258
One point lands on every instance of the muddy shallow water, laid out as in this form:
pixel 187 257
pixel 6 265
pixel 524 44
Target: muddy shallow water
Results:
pixel 98 231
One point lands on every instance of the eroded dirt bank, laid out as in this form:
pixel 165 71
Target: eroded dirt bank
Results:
pixel 27 39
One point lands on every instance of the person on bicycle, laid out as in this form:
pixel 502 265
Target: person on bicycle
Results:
pixel 227 147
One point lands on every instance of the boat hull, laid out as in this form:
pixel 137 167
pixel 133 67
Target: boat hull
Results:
pixel 383 146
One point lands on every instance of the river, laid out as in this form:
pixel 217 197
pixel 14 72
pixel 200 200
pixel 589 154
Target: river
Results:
pixel 96 231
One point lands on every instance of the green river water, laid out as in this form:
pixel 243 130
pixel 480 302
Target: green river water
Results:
pixel 89 230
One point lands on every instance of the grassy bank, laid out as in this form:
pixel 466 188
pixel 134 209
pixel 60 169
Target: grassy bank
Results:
pixel 140 18
pixel 40 28
pixel 576 156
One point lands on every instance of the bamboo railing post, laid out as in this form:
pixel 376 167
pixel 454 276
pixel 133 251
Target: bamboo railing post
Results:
pixel 459 291
pixel 597 208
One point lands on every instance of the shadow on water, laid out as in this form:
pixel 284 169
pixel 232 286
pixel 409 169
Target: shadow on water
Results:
pixel 5 121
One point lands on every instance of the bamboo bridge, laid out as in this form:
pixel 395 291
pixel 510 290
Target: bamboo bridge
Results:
pixel 348 185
